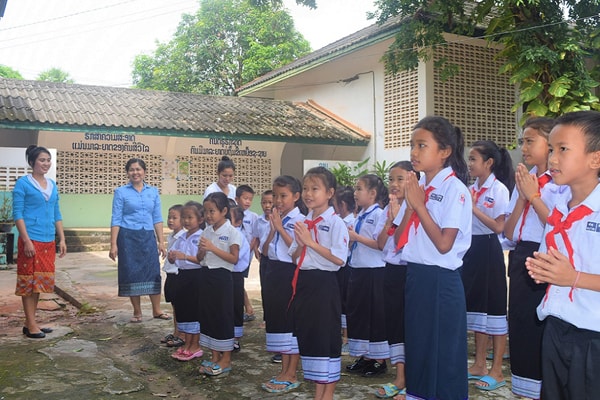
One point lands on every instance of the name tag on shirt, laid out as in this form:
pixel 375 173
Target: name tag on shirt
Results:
pixel 436 197
pixel 593 226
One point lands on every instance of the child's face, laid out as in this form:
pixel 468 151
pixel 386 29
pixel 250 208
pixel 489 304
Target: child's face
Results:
pixel 284 199
pixel 397 182
pixel 425 153
pixel 364 197
pixel 534 148
pixel 569 163
pixel 478 167
pixel 245 200
pixel 266 203
pixel 212 215
pixel 226 177
pixel 174 220
pixel 315 195
pixel 190 219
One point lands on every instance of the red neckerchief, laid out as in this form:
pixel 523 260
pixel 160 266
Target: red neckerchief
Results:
pixel 542 180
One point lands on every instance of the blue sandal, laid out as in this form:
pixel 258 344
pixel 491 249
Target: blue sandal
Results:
pixel 287 386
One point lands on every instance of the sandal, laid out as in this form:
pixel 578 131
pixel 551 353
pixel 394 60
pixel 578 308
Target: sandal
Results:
pixel 175 342
pixel 163 316
pixel 136 319
pixel 167 338
pixel 389 390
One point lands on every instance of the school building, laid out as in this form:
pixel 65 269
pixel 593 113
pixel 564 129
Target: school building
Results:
pixel 336 104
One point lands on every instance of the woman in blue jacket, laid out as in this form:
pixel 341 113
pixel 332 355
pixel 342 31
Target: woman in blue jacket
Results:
pixel 38 220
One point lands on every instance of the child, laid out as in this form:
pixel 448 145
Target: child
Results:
pixel 225 174
pixel 434 232
pixel 185 299
pixel 345 207
pixel 174 223
pixel 278 279
pixel 218 251
pixel 395 279
pixel 569 262
pixel 483 272
pixel 261 230
pixel 320 249
pixel 243 197
pixel 364 302
pixel 525 225
pixel 238 275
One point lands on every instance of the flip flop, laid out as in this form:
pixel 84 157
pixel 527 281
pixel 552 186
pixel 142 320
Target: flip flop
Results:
pixel 175 342
pixel 492 383
pixel 287 386
pixel 389 389
pixel 163 316
pixel 187 356
pixel 490 356
pixel 167 338
pixel 216 370
pixel 136 319
pixel 474 377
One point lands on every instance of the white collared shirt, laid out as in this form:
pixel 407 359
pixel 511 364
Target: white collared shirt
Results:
pixel 450 206
pixel 226 236
pixel 168 267
pixel 250 218
pixel 390 255
pixel 244 255
pixel 261 230
pixel 332 234
pixel 278 250
pixel 189 246
pixel 584 310
pixel 493 202
pixel 364 256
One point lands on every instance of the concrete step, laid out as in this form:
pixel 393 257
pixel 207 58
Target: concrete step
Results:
pixel 83 240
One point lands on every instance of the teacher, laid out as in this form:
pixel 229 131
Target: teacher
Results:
pixel 135 228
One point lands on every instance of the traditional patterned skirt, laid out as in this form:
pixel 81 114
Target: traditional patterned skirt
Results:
pixel 35 274
pixel 139 268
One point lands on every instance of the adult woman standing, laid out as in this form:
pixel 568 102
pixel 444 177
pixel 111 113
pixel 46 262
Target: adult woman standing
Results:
pixel 38 219
pixel 135 228
pixel 225 173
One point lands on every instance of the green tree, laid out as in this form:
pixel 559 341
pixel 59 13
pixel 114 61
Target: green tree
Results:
pixel 55 75
pixel 546 44
pixel 226 44
pixel 8 72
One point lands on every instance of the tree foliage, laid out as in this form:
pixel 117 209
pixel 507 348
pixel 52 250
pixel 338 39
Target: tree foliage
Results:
pixel 8 72
pixel 55 75
pixel 546 44
pixel 226 44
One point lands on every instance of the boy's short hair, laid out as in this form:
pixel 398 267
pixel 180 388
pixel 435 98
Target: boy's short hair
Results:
pixel 243 189
pixel 268 192
pixel 176 207
pixel 589 123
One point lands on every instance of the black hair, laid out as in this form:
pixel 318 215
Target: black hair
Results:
pixel 268 192
pixel 33 152
pixel 502 165
pixel 220 201
pixel 345 194
pixel 295 186
pixel 197 207
pixel 237 213
pixel 407 166
pixel 224 164
pixel 448 136
pixel 372 181
pixel 326 176
pixel 133 161
pixel 589 123
pixel 541 124
pixel 176 207
pixel 243 189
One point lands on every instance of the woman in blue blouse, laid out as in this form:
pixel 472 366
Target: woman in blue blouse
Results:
pixel 135 228
pixel 38 220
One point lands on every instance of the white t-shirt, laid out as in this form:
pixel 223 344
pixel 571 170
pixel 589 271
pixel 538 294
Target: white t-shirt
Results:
pixel 214 188
pixel 168 267
pixel 226 236
pixel 189 246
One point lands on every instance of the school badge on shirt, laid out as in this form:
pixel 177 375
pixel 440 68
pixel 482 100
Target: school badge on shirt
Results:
pixel 462 199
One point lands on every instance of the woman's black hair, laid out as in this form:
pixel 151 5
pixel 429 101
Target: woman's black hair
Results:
pixel 33 152
pixel 220 201
pixel 224 164
pixel 502 165
pixel 295 187
pixel 407 166
pixel 197 207
pixel 372 181
pixel 326 176
pixel 345 194
pixel 448 136
pixel 133 161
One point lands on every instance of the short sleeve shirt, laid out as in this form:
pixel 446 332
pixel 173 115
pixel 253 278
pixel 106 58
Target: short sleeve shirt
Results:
pixel 224 237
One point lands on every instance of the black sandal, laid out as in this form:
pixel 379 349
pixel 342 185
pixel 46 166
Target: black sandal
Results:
pixel 175 342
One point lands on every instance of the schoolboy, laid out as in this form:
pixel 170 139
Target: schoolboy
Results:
pixel 244 195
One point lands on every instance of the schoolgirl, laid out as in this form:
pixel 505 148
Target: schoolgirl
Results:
pixel 218 252
pixel 238 275
pixel 364 302
pixel 394 278
pixel 345 207
pixel 320 249
pixel 185 293
pixel 278 282
pixel 434 232
pixel 483 272
pixel 525 225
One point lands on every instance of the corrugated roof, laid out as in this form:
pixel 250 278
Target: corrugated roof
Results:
pixel 59 106
pixel 350 43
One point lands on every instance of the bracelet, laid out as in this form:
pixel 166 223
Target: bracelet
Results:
pixel 576 280
pixel 533 197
